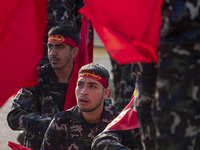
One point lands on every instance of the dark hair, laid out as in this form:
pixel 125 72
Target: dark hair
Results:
pixel 95 68
pixel 66 31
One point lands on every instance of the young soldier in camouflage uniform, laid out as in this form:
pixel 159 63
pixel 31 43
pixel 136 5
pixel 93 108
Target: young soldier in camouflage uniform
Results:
pixel 76 127
pixel 63 12
pixel 34 107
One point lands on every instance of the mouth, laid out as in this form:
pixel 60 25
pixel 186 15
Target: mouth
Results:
pixel 54 60
pixel 83 100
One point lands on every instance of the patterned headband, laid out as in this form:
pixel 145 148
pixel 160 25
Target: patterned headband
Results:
pixel 102 80
pixel 61 39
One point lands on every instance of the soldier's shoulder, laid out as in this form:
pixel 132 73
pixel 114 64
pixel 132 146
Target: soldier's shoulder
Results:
pixel 67 115
pixel 112 109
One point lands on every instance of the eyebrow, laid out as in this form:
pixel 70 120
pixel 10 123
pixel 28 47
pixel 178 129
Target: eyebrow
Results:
pixel 55 44
pixel 88 82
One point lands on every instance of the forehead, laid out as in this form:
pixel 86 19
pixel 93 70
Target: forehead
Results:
pixel 57 44
pixel 88 80
pixel 54 43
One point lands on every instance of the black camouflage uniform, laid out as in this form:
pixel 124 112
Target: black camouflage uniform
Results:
pixel 33 108
pixel 175 110
pixel 124 83
pixel 69 130
pixel 118 140
pixel 177 106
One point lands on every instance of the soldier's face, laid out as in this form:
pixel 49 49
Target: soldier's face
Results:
pixel 90 94
pixel 60 55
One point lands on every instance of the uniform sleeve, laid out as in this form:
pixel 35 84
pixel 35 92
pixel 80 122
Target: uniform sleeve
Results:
pixel 118 139
pixel 24 114
pixel 108 140
pixel 51 140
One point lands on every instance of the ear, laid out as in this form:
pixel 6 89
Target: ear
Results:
pixel 107 93
pixel 75 51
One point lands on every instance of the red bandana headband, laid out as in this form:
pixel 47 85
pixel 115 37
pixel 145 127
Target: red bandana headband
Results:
pixel 61 39
pixel 102 80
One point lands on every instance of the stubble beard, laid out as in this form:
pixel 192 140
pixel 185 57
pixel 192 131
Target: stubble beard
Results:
pixel 60 67
pixel 92 109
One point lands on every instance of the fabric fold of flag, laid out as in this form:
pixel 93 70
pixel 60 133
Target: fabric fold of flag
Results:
pixel 129 30
pixel 126 120
pixel 15 146
pixel 22 30
pixel 81 59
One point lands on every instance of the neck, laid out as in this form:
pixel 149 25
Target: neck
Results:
pixel 94 116
pixel 64 75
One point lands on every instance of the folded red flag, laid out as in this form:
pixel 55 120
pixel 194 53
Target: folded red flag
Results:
pixel 129 30
pixel 15 146
pixel 126 120
pixel 81 59
pixel 22 30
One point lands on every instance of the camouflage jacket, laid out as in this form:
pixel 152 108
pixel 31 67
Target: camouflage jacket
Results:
pixel 180 21
pixel 70 131
pixel 118 140
pixel 34 107
pixel 64 11
pixel 124 83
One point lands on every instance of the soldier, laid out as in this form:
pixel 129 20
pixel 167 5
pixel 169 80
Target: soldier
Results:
pixel 126 136
pixel 64 12
pixel 177 105
pixel 168 104
pixel 34 107
pixel 76 127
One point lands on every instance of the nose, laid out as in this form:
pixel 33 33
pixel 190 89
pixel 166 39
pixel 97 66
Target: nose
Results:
pixel 84 91
pixel 53 51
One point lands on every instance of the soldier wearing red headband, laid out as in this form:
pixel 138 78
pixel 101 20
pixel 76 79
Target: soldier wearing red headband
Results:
pixel 76 127
pixel 34 107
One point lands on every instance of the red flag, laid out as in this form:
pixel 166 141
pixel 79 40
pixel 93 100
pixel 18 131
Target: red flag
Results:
pixel 22 30
pixel 129 30
pixel 90 47
pixel 126 120
pixel 15 146
pixel 80 60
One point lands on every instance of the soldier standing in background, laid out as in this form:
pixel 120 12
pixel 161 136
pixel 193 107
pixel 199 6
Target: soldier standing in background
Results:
pixel 177 106
pixel 33 108
pixel 61 12
pixel 168 100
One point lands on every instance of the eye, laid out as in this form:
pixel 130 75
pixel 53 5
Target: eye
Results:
pixel 80 85
pixel 60 46
pixel 93 86
pixel 49 46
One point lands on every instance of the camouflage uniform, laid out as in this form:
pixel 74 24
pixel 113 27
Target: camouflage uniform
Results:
pixel 145 95
pixel 70 131
pixel 34 107
pixel 175 122
pixel 64 12
pixel 124 83
pixel 177 107
pixel 118 140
